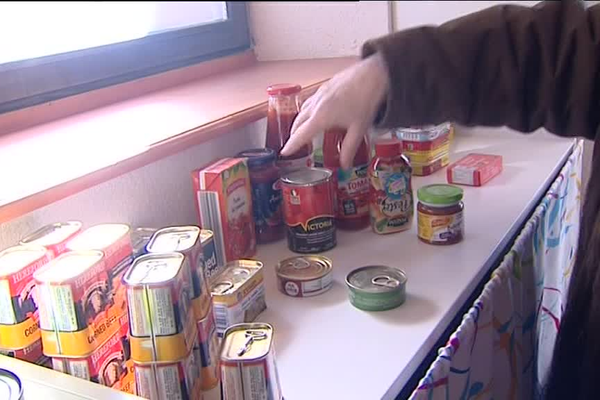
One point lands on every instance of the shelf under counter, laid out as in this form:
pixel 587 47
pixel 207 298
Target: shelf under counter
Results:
pixel 327 349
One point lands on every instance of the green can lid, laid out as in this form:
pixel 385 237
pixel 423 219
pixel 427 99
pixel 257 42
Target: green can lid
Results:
pixel 440 194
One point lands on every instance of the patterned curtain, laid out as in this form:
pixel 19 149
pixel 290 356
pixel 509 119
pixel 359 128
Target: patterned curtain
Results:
pixel 503 346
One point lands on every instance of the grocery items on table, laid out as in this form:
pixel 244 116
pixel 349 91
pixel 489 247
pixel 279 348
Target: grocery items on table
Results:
pixel 304 276
pixel 427 147
pixel 376 287
pixel 440 214
pixel 474 169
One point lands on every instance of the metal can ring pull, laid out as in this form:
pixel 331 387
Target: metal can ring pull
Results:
pixel 386 281
pixel 251 336
pixel 300 263
pixel 223 287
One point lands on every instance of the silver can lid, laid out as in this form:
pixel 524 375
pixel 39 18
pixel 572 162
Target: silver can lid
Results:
pixel 304 268
pixel 10 386
pixel 376 279
pixel 306 176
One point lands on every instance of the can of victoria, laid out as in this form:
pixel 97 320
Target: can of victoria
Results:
pixel 248 367
pixel 161 322
pixel 186 240
pixel 309 210
pixel 19 330
pixel 54 237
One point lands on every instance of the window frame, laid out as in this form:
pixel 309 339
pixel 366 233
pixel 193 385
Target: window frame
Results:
pixel 31 82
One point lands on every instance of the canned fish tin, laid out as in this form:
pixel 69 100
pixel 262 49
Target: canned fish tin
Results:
pixel 248 367
pixel 54 237
pixel 211 266
pixel 139 239
pixel 376 288
pixel 304 276
pixel 209 351
pixel 113 240
pixel 309 210
pixel 32 353
pixel 185 240
pixel 177 380
pixel 238 294
pixel 10 386
pixel 18 300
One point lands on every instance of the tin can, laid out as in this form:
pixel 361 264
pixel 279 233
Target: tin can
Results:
pixel 106 365
pixel 185 240
pixel 238 294
pixel 309 210
pixel 54 237
pixel 248 366
pixel 113 240
pixel 10 386
pixel 304 276
pixel 139 239
pixel 376 288
pixel 209 252
pixel 19 328
pixel 32 353
pixel 175 380
pixel 209 351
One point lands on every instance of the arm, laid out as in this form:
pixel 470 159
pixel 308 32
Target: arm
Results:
pixel 521 67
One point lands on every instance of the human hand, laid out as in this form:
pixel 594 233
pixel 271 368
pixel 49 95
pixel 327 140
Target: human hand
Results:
pixel 349 100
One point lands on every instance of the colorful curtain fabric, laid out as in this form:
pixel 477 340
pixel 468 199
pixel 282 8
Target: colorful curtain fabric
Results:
pixel 503 346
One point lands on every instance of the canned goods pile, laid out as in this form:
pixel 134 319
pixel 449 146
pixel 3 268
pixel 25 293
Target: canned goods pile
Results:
pixel 428 148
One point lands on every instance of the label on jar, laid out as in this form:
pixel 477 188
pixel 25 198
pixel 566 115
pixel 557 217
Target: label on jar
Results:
pixel 266 204
pixel 392 201
pixel 353 192
pixel 317 235
pixel 441 229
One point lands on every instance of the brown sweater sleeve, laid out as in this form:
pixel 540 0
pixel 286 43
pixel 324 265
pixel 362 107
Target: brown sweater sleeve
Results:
pixel 510 65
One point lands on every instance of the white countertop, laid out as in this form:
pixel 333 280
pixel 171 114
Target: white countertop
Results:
pixel 327 349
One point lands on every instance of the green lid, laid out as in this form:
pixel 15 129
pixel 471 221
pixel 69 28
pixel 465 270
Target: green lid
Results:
pixel 440 194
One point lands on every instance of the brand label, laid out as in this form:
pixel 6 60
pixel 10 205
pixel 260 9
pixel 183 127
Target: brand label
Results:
pixel 316 235
pixel 353 192
pixel 392 201
pixel 440 229
pixel 266 204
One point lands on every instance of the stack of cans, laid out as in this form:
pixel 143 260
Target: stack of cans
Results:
pixel 83 310
pixel 19 330
pixel 187 241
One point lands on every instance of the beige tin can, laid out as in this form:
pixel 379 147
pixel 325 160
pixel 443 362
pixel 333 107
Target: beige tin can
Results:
pixel 248 367
pixel 304 276
pixel 54 237
pixel 238 294
pixel 114 240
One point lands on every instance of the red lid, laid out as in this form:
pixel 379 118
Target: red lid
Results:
pixel 283 88
pixel 388 148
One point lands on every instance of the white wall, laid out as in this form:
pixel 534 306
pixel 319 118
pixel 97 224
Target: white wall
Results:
pixel 159 194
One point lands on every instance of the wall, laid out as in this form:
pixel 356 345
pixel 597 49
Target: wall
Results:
pixel 158 194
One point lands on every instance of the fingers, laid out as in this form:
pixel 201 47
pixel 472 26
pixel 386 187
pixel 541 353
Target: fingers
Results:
pixel 304 134
pixel 351 143
pixel 302 117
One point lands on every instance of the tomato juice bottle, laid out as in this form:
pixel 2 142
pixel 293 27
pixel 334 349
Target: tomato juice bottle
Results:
pixel 352 184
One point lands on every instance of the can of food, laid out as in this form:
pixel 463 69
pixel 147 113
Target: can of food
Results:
pixel 158 298
pixel 114 240
pixel 209 252
pixel 309 210
pixel 18 297
pixel 107 365
pixel 185 240
pixel 304 276
pixel 10 386
pixel 54 237
pixel 248 367
pixel 238 294
pixel 179 379
pixel 376 287
pixel 139 239
pixel 32 353
pixel 209 351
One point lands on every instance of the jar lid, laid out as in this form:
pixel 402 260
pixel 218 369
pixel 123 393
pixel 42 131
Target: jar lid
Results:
pixel 388 148
pixel 440 194
pixel 258 157
pixel 284 89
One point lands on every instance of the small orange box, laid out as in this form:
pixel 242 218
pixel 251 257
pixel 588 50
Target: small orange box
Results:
pixel 474 169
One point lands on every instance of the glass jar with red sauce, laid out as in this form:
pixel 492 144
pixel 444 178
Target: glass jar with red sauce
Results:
pixel 440 214
pixel 352 184
pixel 266 194
pixel 283 108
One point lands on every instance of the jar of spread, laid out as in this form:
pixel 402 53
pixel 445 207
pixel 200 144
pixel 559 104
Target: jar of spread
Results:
pixel 283 108
pixel 440 214
pixel 266 194
pixel 391 202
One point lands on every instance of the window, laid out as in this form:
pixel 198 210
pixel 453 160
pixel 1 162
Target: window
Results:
pixel 50 50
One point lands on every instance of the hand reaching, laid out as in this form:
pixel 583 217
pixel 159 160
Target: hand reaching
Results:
pixel 349 100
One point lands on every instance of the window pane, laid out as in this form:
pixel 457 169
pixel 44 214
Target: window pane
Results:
pixel 35 29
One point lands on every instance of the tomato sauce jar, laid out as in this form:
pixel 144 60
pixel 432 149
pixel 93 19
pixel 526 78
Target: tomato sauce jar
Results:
pixel 283 108
pixel 266 194
pixel 440 214
pixel 309 210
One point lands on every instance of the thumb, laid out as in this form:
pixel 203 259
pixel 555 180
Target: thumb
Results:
pixel 352 141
